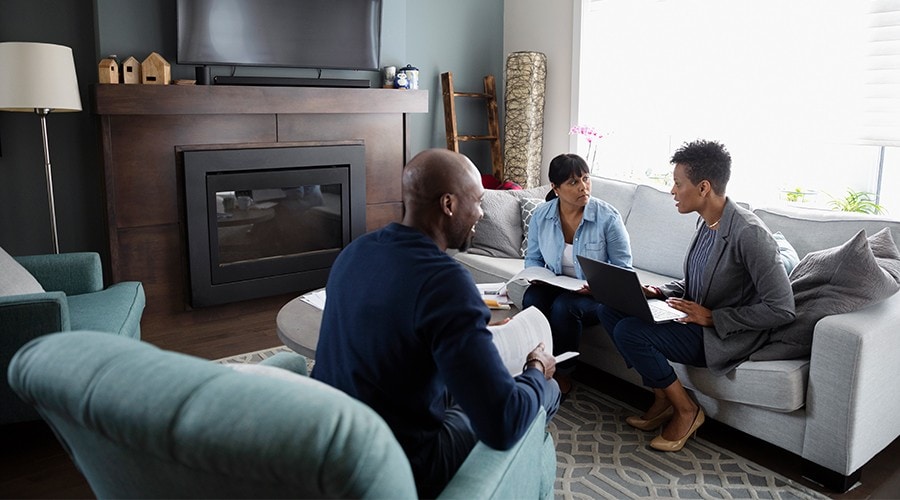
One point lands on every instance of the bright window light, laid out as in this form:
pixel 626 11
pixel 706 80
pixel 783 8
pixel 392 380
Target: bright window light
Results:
pixel 781 84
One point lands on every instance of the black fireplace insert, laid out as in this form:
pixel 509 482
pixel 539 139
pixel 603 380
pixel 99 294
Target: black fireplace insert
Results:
pixel 264 221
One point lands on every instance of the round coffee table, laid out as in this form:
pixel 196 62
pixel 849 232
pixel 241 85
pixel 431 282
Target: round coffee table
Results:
pixel 297 325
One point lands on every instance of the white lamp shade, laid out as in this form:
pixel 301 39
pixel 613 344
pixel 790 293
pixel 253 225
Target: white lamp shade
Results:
pixel 37 76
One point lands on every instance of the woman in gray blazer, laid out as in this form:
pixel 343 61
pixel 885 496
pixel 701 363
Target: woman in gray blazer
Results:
pixel 735 289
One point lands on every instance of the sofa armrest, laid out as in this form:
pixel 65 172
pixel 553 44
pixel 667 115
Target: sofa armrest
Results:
pixel 72 273
pixel 851 403
pixel 23 318
pixel 527 470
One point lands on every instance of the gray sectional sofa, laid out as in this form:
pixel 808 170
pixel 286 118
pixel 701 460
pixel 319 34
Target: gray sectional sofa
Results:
pixel 836 409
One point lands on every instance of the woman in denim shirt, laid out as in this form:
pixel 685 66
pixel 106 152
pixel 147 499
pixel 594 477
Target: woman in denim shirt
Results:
pixel 571 223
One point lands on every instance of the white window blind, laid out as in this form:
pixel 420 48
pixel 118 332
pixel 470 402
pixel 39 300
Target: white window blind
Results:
pixel 782 84
pixel 881 115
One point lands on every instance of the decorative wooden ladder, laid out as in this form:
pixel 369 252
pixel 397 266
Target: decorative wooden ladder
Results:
pixel 493 126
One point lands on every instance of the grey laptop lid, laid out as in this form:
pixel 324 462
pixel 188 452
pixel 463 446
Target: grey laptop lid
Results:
pixel 620 288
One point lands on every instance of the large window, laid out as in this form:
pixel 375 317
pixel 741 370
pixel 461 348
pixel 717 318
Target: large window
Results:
pixel 781 84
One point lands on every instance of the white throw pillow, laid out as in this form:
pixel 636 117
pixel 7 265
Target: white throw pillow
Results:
pixel 14 279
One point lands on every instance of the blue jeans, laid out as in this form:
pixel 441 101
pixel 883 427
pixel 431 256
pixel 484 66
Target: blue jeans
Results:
pixel 648 348
pixel 567 312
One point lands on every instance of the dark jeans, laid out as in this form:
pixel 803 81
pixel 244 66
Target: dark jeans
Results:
pixel 568 314
pixel 649 348
pixel 454 443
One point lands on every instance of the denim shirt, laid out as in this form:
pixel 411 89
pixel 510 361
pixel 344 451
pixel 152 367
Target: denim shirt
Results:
pixel 600 236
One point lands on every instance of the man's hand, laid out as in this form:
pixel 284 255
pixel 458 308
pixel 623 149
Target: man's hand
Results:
pixel 501 322
pixel 543 361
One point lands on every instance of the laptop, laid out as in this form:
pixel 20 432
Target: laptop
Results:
pixel 620 288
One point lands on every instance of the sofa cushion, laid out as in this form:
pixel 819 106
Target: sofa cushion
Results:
pixel 835 281
pixel 527 206
pixel 617 193
pixel 117 309
pixel 789 256
pixel 809 230
pixel 660 236
pixel 499 232
pixel 774 385
pixel 15 279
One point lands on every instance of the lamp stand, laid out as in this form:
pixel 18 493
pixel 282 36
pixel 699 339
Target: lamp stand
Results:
pixel 42 113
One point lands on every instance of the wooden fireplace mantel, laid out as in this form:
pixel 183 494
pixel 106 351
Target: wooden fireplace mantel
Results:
pixel 144 126
pixel 226 99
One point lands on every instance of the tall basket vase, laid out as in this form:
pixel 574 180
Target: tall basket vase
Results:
pixel 526 74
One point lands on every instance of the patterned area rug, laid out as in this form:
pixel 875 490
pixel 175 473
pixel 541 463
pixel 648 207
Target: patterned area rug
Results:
pixel 598 455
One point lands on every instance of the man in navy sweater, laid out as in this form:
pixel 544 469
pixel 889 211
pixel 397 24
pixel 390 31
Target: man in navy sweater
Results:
pixel 405 330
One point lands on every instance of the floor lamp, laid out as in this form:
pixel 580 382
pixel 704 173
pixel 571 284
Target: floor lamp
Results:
pixel 39 78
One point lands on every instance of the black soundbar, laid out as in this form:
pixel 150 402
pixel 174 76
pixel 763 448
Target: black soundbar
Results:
pixel 273 81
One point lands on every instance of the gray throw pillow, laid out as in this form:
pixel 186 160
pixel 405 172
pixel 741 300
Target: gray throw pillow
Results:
pixel 857 274
pixel 527 206
pixel 15 279
pixel 789 256
pixel 499 233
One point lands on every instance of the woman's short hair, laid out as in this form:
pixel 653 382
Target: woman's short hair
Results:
pixel 563 167
pixel 705 160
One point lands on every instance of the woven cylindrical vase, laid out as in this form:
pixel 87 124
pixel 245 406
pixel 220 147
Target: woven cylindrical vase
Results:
pixel 526 74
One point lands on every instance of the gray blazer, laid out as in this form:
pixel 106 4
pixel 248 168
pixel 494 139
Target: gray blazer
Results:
pixel 746 287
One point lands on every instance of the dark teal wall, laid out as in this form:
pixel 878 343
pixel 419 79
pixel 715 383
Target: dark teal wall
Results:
pixel 463 36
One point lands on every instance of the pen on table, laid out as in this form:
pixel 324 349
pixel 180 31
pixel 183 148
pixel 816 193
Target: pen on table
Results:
pixel 493 304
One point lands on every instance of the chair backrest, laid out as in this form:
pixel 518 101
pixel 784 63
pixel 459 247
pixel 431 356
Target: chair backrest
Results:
pixel 139 421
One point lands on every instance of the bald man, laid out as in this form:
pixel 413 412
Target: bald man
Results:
pixel 405 330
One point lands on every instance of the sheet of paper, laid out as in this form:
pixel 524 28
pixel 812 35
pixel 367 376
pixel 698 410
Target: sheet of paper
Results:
pixel 514 340
pixel 544 275
pixel 315 299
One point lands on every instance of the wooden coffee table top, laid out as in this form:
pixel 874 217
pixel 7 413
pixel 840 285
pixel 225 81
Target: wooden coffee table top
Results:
pixel 297 325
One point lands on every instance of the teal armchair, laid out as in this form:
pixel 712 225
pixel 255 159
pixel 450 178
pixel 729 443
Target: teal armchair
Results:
pixel 139 421
pixel 75 300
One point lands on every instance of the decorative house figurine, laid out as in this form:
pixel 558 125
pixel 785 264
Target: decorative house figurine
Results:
pixel 155 70
pixel 108 70
pixel 131 70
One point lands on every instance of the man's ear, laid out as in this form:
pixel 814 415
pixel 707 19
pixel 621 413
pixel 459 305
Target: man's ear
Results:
pixel 447 202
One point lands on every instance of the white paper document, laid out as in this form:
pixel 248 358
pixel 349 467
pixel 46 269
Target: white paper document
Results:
pixel 315 299
pixel 543 275
pixel 514 340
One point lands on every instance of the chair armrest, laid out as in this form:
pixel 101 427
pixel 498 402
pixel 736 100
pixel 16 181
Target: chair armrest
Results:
pixel 527 470
pixel 290 361
pixel 33 313
pixel 72 273
pixel 23 318
pixel 851 402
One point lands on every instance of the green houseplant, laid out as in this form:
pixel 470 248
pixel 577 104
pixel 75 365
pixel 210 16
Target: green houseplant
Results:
pixel 856 201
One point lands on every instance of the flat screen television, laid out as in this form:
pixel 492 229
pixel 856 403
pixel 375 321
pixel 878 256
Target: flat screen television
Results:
pixel 320 34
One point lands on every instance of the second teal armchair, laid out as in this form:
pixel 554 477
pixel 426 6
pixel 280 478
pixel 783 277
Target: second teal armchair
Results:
pixel 75 299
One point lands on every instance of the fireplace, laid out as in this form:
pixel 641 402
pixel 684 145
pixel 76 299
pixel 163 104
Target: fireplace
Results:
pixel 264 221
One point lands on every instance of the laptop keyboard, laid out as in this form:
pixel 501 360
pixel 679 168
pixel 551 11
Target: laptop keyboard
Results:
pixel 664 313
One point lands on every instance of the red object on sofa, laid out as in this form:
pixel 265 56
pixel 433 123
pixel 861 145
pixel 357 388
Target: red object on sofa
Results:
pixel 488 181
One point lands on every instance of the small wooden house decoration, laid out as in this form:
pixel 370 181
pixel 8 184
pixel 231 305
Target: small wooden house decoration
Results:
pixel 155 70
pixel 108 70
pixel 131 70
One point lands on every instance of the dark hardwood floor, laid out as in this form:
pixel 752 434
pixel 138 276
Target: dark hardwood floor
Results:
pixel 34 465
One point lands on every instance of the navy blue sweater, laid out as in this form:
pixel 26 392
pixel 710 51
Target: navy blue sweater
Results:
pixel 403 325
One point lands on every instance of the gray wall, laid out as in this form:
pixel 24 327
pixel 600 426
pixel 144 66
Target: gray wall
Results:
pixel 464 36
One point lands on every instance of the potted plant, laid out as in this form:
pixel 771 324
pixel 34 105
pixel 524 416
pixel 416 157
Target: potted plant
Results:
pixel 856 201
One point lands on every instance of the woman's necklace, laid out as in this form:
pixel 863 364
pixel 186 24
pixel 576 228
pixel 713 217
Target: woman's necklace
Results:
pixel 714 224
